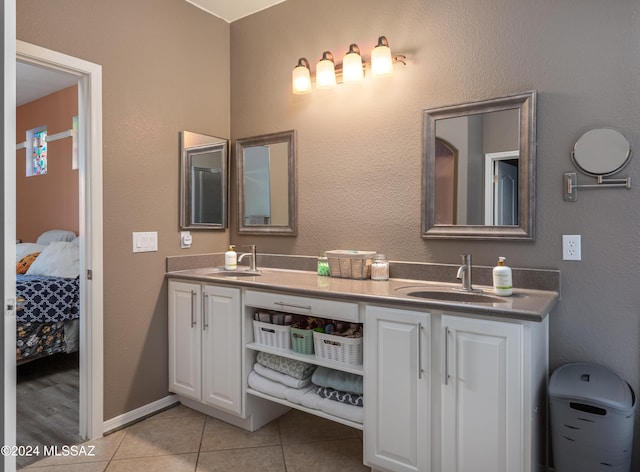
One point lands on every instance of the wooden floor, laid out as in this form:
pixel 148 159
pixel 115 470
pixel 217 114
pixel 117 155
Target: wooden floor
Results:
pixel 47 403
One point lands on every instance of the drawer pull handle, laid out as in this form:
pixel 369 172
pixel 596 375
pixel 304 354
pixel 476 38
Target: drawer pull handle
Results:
pixel 283 304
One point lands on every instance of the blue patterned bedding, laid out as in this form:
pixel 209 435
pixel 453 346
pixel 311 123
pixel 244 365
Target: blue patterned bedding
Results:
pixel 47 299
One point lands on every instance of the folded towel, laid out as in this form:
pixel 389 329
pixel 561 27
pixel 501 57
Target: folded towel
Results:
pixel 264 385
pixel 342 410
pixel 306 397
pixel 280 377
pixel 338 380
pixel 297 369
pixel 296 395
pixel 342 397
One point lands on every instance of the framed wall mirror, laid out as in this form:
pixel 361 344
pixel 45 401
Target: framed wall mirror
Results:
pixel 266 181
pixel 478 169
pixel 203 181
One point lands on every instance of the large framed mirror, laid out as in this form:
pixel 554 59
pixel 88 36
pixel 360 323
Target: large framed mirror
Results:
pixel 266 181
pixel 478 169
pixel 203 181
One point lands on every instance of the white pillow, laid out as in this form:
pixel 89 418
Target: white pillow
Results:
pixel 24 249
pixel 58 259
pixel 55 235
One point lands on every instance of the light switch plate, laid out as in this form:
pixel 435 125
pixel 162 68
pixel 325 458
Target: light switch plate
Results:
pixel 145 242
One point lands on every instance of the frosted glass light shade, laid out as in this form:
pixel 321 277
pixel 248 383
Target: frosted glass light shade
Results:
pixel 352 65
pixel 381 61
pixel 301 78
pixel 326 72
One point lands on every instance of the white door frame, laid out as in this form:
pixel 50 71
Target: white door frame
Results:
pixel 90 223
pixel 489 173
pixel 8 397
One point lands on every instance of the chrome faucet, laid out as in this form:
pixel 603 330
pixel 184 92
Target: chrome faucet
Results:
pixel 252 261
pixel 464 274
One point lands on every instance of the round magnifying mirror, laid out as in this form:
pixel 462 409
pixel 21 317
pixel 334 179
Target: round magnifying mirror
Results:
pixel 601 152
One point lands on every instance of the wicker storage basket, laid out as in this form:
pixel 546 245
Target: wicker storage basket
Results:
pixel 302 340
pixel 338 348
pixel 272 335
pixel 350 264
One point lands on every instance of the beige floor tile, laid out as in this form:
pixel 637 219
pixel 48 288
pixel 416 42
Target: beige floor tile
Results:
pixel 104 450
pixel 174 463
pixel 162 437
pixel 297 426
pixel 262 459
pixel 343 455
pixel 220 435
pixel 178 411
pixel 86 467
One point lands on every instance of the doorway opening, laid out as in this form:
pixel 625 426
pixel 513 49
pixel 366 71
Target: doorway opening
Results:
pixel 88 77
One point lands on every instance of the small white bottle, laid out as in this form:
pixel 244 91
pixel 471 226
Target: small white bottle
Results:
pixel 502 281
pixel 231 259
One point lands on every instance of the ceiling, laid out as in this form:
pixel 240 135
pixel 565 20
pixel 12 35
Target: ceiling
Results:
pixel 35 82
pixel 232 10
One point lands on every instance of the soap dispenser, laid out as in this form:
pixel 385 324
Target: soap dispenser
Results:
pixel 502 281
pixel 231 258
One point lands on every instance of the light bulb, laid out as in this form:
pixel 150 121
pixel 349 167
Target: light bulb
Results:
pixel 326 72
pixel 381 60
pixel 301 78
pixel 352 65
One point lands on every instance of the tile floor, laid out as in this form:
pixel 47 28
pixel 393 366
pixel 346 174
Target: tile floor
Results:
pixel 180 439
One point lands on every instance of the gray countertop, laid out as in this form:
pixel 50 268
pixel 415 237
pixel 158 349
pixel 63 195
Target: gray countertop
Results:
pixel 524 304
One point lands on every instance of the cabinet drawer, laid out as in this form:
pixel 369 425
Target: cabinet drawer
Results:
pixel 344 311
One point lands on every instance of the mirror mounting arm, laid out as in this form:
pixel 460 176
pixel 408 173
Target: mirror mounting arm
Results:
pixel 571 185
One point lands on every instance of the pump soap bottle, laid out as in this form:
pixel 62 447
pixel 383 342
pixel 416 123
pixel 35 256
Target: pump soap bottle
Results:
pixel 231 259
pixel 502 281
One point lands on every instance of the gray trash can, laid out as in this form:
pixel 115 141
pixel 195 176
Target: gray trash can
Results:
pixel 592 413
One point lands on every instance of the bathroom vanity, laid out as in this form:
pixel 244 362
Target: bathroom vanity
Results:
pixel 449 381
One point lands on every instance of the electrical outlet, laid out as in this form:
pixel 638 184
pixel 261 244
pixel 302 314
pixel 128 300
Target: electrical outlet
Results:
pixel 571 247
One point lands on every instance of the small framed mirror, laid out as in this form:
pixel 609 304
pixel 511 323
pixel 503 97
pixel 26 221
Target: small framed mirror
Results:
pixel 478 172
pixel 266 181
pixel 203 181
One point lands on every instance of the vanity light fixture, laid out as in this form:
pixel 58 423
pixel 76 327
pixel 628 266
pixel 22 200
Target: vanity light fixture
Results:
pixel 301 77
pixel 326 72
pixel 381 60
pixel 352 69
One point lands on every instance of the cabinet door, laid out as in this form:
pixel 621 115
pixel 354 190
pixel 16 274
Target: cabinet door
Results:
pixel 396 382
pixel 482 396
pixel 184 339
pixel 221 348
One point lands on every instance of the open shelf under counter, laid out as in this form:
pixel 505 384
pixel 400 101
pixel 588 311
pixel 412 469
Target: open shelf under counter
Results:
pixel 311 411
pixel 308 358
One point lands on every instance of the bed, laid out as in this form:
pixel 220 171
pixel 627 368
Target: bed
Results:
pixel 48 294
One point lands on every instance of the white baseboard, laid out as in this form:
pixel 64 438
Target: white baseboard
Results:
pixel 139 413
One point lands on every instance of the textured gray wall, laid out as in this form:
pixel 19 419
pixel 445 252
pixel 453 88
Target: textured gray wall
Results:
pixel 359 146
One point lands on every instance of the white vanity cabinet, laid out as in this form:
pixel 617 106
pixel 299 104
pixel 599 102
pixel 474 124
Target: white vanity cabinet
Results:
pixel 483 398
pixel 396 390
pixel 205 344
pixel 448 392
